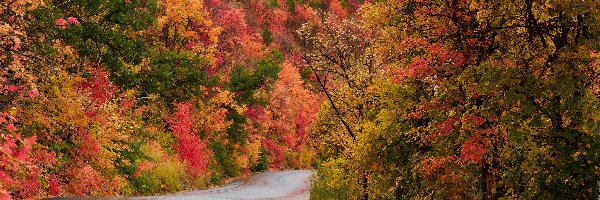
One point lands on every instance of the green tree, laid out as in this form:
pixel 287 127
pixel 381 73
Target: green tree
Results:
pixel 246 83
pixel 109 33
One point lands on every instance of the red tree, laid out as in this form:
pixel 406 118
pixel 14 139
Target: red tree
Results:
pixel 188 146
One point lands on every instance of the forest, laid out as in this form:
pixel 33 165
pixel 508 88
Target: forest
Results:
pixel 385 99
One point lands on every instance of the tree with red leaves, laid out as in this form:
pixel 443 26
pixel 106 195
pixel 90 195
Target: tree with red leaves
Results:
pixel 188 145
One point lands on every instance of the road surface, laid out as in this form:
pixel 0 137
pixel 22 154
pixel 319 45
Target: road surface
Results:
pixel 277 185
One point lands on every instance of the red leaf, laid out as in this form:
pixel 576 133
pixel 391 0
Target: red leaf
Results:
pixel 73 20
pixel 11 127
pixel 11 88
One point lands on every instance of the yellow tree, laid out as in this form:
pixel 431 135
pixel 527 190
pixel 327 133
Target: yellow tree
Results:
pixel 186 25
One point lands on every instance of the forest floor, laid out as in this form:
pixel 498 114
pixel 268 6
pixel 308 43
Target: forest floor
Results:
pixel 275 185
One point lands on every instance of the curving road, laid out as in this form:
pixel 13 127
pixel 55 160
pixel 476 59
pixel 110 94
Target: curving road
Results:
pixel 277 185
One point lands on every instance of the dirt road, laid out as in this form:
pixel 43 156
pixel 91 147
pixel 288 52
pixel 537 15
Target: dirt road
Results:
pixel 279 185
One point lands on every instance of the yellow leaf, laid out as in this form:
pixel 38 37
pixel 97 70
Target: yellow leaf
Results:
pixel 12 111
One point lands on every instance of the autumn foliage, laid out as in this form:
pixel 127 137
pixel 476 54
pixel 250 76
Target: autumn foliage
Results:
pixel 188 146
pixel 409 99
pixel 458 100
pixel 105 98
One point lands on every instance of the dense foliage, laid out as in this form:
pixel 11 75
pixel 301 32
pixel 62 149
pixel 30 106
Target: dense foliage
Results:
pixel 402 99
pixel 141 97
pixel 459 99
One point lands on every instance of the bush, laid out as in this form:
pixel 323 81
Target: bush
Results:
pixel 162 173
pixel 331 182
pixel 263 162
pixel 226 162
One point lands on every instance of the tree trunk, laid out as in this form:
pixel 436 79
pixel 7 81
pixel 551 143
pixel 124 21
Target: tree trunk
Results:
pixel 484 183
